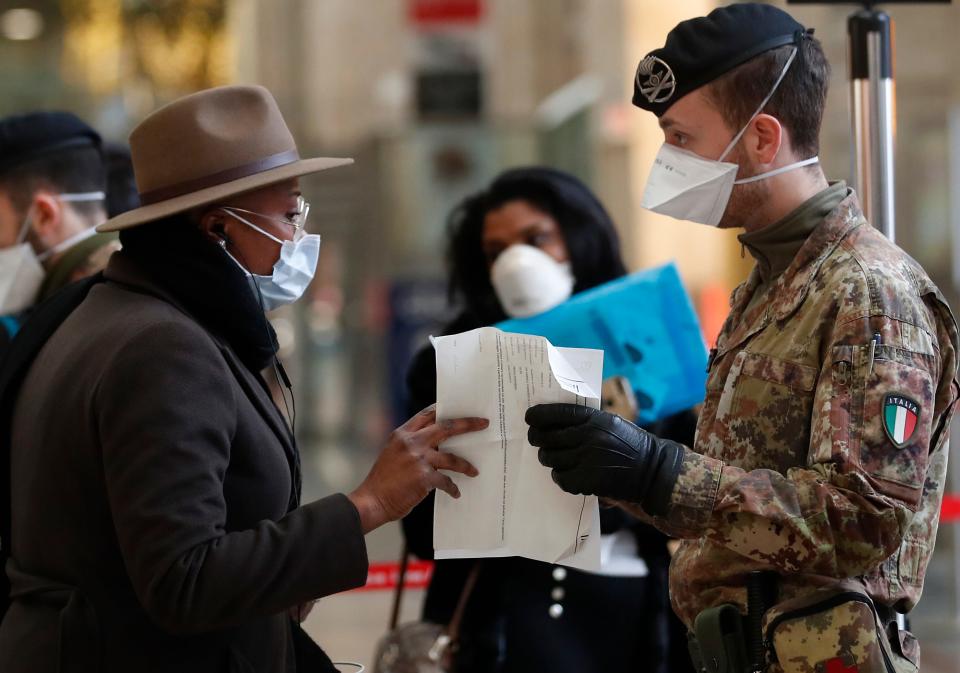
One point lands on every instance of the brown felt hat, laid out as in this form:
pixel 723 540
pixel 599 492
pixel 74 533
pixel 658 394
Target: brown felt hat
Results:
pixel 209 146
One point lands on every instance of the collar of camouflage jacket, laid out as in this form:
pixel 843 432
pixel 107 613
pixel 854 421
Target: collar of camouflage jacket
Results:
pixel 790 289
pixel 775 246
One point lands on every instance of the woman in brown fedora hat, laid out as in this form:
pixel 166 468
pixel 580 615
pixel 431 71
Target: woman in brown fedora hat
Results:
pixel 155 520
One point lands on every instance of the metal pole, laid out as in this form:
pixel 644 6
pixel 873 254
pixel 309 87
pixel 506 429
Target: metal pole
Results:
pixel 871 91
pixel 872 111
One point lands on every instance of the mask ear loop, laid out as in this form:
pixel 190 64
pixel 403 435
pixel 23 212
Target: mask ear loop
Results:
pixel 776 85
pixel 25 227
pixel 779 171
pixel 279 372
pixel 231 213
pixel 76 197
pixel 83 196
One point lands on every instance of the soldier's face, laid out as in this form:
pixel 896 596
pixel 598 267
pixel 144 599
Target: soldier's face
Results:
pixel 694 123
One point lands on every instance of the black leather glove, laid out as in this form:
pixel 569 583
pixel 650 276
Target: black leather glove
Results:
pixel 598 453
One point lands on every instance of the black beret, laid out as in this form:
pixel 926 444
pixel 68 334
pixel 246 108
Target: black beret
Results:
pixel 28 136
pixel 700 50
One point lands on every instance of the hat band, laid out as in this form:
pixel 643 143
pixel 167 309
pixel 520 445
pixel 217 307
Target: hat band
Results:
pixel 219 178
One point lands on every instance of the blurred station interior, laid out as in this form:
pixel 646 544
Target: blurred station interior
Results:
pixel 433 98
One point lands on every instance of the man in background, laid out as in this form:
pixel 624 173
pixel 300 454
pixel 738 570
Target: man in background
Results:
pixel 52 195
pixel 121 185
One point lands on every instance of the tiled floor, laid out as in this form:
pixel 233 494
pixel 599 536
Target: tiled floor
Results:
pixel 349 625
pixel 940 647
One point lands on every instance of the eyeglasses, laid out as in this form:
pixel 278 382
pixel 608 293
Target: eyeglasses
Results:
pixel 298 221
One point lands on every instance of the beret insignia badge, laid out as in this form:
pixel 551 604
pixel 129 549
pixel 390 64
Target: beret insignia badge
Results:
pixel 655 80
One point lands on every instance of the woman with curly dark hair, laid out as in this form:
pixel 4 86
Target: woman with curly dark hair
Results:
pixel 525 244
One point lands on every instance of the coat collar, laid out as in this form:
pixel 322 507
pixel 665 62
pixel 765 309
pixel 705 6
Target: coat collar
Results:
pixel 791 288
pixel 123 271
pixel 259 394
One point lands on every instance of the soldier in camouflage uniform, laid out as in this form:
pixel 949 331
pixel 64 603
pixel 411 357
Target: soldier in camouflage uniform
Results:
pixel 821 450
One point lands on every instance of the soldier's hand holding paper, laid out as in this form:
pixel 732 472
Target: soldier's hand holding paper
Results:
pixel 598 453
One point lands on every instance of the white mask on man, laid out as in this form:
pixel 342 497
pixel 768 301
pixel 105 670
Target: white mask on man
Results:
pixel 21 276
pixel 689 187
pixel 528 281
pixel 21 271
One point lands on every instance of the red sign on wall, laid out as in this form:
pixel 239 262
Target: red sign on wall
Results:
pixel 430 12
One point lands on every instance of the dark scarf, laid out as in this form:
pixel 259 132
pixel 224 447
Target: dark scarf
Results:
pixel 177 257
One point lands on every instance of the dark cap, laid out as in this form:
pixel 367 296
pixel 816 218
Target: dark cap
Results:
pixel 700 50
pixel 29 136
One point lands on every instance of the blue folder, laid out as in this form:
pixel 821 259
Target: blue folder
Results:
pixel 646 326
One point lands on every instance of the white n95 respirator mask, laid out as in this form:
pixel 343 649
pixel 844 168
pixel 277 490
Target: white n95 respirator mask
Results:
pixel 21 276
pixel 689 187
pixel 528 281
pixel 21 271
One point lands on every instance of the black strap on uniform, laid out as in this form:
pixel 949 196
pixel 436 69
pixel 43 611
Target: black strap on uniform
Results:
pixel 761 596
pixel 30 339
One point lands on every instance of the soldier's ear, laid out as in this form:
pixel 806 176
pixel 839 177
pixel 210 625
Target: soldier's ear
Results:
pixel 763 139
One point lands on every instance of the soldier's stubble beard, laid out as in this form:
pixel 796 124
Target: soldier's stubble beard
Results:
pixel 745 209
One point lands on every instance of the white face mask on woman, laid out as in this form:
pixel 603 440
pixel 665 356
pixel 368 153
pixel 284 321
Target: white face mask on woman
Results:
pixel 528 281
pixel 292 273
pixel 689 187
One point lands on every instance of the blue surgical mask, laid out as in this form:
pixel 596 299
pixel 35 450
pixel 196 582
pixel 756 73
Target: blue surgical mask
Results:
pixel 292 273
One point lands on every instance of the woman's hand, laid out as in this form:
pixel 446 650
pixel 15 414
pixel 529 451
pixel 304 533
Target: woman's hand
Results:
pixel 407 468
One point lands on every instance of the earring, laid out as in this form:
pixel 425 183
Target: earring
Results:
pixel 223 243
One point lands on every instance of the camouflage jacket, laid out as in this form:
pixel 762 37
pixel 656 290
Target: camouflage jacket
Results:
pixel 821 450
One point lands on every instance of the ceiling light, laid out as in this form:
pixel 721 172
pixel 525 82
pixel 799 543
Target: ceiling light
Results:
pixel 21 24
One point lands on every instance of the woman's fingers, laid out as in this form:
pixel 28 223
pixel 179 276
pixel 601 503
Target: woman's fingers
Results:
pixel 434 434
pixel 448 461
pixel 421 420
pixel 444 483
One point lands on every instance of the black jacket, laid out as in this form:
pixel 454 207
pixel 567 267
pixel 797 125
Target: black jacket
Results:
pixel 154 502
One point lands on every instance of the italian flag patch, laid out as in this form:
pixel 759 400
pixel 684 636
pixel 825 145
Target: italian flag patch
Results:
pixel 900 416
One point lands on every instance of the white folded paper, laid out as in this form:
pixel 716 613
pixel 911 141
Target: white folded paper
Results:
pixel 513 508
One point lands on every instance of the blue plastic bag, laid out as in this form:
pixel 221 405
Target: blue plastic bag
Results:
pixel 646 326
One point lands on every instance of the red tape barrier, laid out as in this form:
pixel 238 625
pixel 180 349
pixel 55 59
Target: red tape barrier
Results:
pixel 384 576
pixel 950 510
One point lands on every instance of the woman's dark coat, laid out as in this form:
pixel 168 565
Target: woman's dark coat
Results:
pixel 154 501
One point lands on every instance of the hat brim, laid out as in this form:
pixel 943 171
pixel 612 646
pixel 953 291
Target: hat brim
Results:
pixel 203 197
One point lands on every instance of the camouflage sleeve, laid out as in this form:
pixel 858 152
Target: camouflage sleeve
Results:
pixel 692 501
pixel 879 424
